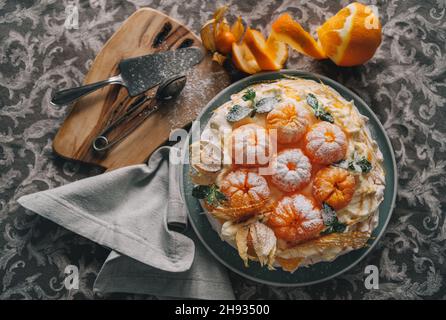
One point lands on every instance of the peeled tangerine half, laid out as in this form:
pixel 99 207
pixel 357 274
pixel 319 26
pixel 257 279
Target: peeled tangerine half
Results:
pixel 325 143
pixel 292 170
pixel 352 36
pixel 250 146
pixel 296 219
pixel 334 186
pixel 287 30
pixel 246 192
pixel 290 120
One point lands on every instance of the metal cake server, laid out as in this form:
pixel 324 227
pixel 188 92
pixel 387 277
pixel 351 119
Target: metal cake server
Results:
pixel 140 74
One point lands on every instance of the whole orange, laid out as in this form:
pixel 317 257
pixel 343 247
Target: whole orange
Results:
pixel 352 36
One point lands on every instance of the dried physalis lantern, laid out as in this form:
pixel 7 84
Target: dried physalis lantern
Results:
pixel 218 36
pixel 207 35
pixel 256 241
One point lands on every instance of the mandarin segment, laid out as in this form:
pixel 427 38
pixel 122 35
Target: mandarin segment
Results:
pixel 243 58
pixel 334 186
pixel 278 50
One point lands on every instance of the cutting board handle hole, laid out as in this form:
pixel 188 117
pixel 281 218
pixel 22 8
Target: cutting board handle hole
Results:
pixel 186 43
pixel 162 35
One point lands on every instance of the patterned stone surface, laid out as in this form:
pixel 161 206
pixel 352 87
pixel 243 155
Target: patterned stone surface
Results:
pixel 404 84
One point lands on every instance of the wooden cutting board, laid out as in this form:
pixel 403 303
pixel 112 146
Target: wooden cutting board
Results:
pixel 145 31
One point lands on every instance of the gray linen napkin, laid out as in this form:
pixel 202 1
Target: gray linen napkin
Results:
pixel 130 210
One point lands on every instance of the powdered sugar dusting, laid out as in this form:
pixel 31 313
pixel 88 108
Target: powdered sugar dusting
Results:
pixel 245 182
pixel 291 179
pixel 296 219
pixel 258 185
pixel 203 83
pixel 326 143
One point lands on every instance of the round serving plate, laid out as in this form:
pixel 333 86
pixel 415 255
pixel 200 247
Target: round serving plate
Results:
pixel 318 272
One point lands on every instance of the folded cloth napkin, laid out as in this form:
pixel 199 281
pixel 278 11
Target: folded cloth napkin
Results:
pixel 135 211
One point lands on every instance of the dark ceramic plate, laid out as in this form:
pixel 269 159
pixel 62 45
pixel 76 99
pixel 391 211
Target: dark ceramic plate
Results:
pixel 318 272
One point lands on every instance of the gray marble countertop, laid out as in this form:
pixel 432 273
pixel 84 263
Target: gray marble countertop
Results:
pixel 404 84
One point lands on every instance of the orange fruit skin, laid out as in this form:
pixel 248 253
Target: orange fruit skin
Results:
pixel 243 58
pixel 257 44
pixel 360 42
pixel 293 222
pixel 224 41
pixel 291 32
pixel 334 186
pixel 244 188
pixel 277 49
pixel 328 35
pixel 363 42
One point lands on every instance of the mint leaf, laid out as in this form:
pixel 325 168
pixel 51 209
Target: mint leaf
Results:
pixel 313 101
pixel 220 196
pixel 326 116
pixel 328 214
pixel 266 104
pixel 362 164
pixel 215 196
pixel 365 165
pixel 318 109
pixel 237 113
pixel 211 194
pixel 200 192
pixel 249 95
pixel 331 220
